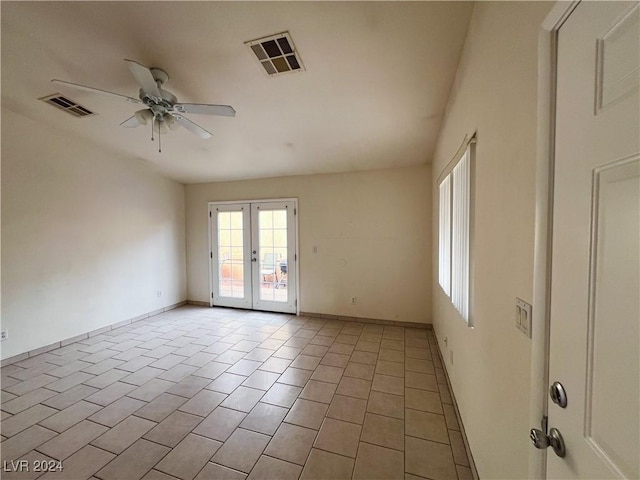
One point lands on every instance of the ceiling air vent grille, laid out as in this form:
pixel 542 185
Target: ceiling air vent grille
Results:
pixel 276 54
pixel 69 106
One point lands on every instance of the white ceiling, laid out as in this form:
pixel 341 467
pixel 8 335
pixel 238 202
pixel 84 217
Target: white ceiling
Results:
pixel 376 84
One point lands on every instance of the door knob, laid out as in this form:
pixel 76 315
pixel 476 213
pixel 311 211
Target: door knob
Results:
pixel 554 439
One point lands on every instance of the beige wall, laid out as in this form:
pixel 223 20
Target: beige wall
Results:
pixel 372 233
pixel 88 238
pixel 495 94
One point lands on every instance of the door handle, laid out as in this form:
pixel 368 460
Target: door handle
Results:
pixel 254 259
pixel 554 439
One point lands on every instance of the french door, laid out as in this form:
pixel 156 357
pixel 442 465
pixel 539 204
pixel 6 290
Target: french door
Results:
pixel 253 255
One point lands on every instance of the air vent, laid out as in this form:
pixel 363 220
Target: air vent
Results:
pixel 69 106
pixel 276 54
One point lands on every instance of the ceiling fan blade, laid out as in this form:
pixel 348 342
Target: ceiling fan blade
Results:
pixel 130 122
pixel 205 109
pixel 97 90
pixel 144 77
pixel 192 127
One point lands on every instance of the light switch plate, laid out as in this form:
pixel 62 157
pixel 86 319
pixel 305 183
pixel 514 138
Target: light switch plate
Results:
pixel 523 316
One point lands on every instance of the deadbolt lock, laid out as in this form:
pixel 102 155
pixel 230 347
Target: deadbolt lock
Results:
pixel 558 394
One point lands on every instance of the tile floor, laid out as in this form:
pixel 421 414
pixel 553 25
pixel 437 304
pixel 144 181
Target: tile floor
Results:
pixel 227 394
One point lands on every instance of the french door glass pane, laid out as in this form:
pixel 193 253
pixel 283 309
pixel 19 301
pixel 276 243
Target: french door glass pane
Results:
pixel 272 234
pixel 230 254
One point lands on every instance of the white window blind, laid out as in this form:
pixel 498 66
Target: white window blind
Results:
pixel 460 236
pixel 444 244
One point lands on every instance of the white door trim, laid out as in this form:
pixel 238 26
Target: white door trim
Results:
pixel 211 207
pixel 545 161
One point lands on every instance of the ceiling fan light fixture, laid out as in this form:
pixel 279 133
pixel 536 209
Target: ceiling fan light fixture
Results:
pixel 277 54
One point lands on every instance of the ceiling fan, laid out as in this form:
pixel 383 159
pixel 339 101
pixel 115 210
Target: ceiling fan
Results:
pixel 163 109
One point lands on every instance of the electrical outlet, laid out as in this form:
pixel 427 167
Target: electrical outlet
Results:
pixel 159 293
pixel 4 334
pixel 354 300
pixel 523 316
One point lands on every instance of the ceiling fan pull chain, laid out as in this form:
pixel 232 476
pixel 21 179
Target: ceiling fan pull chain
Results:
pixel 159 139
pixel 152 120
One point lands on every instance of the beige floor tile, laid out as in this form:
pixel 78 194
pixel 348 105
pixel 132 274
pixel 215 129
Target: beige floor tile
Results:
pixel 142 376
pixel 199 359
pixel 419 365
pixel 391 355
pixel 220 424
pixel 291 443
pixel 422 353
pixel 440 376
pixel 226 383
pixel 429 459
pixel 159 408
pixel 450 416
pixel 349 409
pixel 153 475
pixel 269 468
pixel 388 384
pixel 120 437
pixel 69 381
pixel 457 447
pixel 422 381
pixel 173 429
pixel 325 373
pixel 315 350
pixel 243 399
pixel 213 471
pixel 287 352
pixel 110 394
pixel 136 363
pixel 28 400
pixel 107 378
pixel 378 463
pixel 282 395
pixel 368 358
pixel 422 400
pixel 342 348
pixel 445 395
pixel 359 370
pixel 178 373
pixel 417 343
pixel 347 339
pixel 261 380
pixel 69 397
pixel 134 462
pixel 394 369
pixel 335 360
pixel 264 418
pixel 242 450
pixel 32 384
pixel 27 418
pixel 323 465
pixel 11 472
pixel 429 426
pixel 72 440
pixel 318 391
pixel 464 473
pixel 383 431
pixel 25 441
pixel 307 413
pixel 259 354
pixel 295 376
pixel 203 403
pixel 365 346
pixel 189 457
pixel 212 370
pixel 386 404
pixel 82 464
pixel 338 437
pixel 306 362
pixel 68 417
pixel 391 344
pixel 244 367
pixel 276 365
pixel 354 387
pixel 151 389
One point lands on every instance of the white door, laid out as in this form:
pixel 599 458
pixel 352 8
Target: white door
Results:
pixel 595 285
pixel 253 255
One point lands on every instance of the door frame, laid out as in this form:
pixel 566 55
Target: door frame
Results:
pixel 545 165
pixel 211 207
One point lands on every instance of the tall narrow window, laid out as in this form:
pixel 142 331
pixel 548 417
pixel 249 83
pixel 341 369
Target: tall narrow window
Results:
pixel 455 231
pixel 444 272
